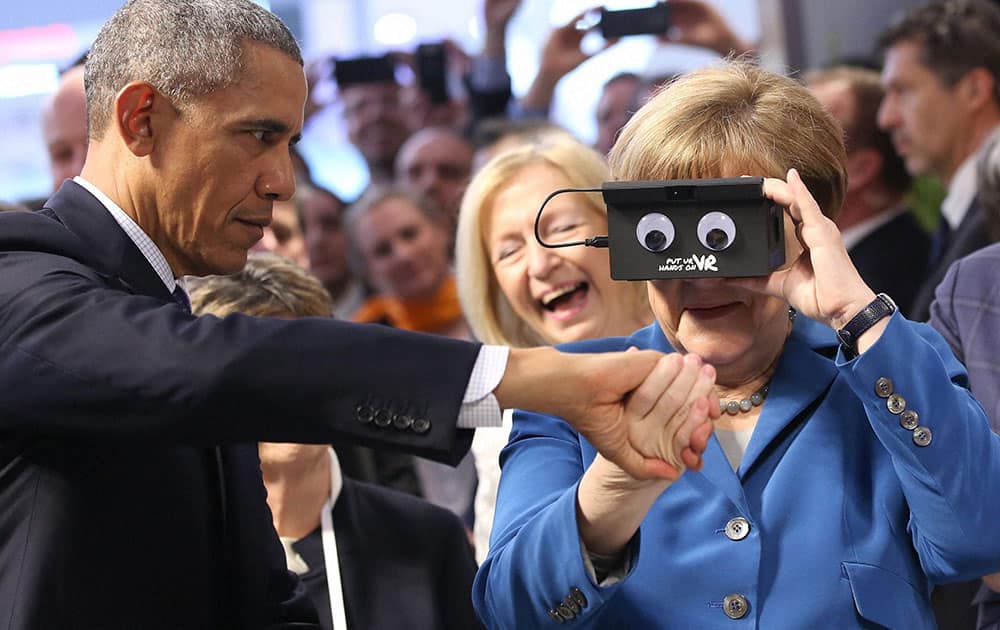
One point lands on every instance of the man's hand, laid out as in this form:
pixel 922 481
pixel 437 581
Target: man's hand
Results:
pixel 591 392
pixel 993 582
pixel 669 415
pixel 560 56
pixel 496 15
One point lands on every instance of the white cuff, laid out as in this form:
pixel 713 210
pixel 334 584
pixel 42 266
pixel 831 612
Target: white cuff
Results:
pixel 479 406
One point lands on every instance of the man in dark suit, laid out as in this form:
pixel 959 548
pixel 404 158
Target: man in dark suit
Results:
pixel 941 74
pixel 127 498
pixel 884 240
pixel 942 101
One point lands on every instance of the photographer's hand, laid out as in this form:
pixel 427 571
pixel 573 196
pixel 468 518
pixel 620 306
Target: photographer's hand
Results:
pixel 696 23
pixel 560 56
pixel 496 15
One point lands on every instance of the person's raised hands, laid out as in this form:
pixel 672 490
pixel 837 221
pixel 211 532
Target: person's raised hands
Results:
pixel 696 23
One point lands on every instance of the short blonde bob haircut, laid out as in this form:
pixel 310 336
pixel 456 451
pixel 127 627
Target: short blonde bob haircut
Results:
pixel 486 308
pixel 267 286
pixel 731 120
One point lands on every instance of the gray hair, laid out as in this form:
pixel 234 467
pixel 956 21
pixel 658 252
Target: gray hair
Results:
pixel 988 183
pixel 184 48
pixel 268 286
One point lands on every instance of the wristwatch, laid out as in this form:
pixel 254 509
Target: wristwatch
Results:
pixel 882 306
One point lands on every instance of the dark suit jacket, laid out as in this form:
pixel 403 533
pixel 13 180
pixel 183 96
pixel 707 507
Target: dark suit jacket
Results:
pixel 118 509
pixel 404 563
pixel 893 259
pixel 970 235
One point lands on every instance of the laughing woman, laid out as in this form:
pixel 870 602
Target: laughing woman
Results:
pixel 847 478
pixel 516 293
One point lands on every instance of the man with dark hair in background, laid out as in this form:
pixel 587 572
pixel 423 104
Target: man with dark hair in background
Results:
pixel 373 112
pixel 942 82
pixel 614 107
pixel 885 242
pixel 327 246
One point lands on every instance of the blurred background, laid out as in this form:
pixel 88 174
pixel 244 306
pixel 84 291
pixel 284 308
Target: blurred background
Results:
pixel 40 37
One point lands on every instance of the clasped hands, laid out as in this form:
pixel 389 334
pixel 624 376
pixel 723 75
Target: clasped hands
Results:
pixel 662 425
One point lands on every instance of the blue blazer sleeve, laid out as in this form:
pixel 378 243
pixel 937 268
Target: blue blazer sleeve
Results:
pixel 946 483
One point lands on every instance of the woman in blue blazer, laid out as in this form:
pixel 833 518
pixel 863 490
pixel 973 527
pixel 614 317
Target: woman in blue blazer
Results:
pixel 847 475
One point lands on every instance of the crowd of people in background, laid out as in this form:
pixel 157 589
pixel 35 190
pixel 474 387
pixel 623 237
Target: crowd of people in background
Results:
pixel 442 242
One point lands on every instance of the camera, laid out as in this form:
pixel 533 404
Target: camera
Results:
pixel 649 20
pixel 363 70
pixel 693 228
pixel 432 71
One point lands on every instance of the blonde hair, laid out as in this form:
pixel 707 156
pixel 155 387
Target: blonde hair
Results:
pixel 730 120
pixel 268 286
pixel 487 309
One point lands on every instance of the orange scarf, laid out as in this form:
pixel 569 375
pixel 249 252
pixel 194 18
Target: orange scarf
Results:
pixel 436 313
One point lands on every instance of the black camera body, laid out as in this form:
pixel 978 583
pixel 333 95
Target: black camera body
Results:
pixel 432 71
pixel 649 20
pixel 693 228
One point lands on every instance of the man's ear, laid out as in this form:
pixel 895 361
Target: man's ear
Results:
pixel 138 109
pixel 978 87
pixel 864 165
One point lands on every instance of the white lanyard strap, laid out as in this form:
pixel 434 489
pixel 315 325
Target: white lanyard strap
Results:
pixel 333 583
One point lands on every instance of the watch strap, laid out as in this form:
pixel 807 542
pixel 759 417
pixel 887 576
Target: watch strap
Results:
pixel 879 308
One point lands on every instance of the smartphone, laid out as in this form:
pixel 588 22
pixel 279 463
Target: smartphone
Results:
pixel 432 71
pixel 649 20
pixel 347 72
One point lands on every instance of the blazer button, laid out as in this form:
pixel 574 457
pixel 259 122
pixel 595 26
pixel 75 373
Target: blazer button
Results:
pixel 909 419
pixel 922 436
pixel 565 611
pixel 402 421
pixel 382 418
pixel 896 404
pixel 883 387
pixel 364 413
pixel 570 603
pixel 735 606
pixel 421 425
pixel 555 615
pixel 737 528
pixel 578 595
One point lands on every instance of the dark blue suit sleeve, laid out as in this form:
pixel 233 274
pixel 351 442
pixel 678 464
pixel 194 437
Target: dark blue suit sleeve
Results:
pixel 79 359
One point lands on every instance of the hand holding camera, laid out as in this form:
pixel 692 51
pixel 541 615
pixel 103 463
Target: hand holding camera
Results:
pixel 822 282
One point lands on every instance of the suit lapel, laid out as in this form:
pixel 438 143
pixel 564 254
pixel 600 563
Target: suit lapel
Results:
pixel 803 374
pixel 106 246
